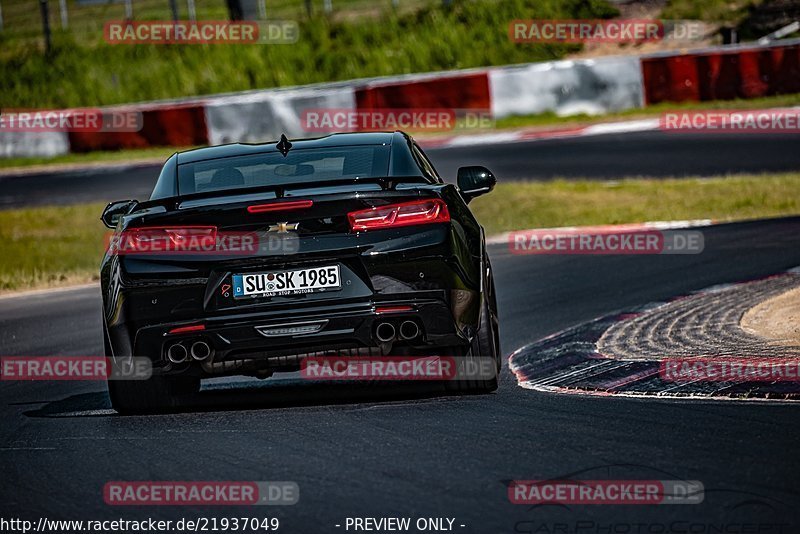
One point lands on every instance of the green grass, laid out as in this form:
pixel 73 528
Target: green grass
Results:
pixel 45 247
pixel 38 249
pixel 719 11
pixel 86 20
pixel 580 202
pixel 89 72
pixel 89 158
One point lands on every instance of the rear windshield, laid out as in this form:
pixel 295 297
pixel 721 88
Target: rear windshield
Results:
pixel 305 166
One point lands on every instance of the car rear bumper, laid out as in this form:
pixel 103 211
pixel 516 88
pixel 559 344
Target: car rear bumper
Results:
pixel 430 271
pixel 275 339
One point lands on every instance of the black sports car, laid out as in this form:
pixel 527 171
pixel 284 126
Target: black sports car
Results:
pixel 247 259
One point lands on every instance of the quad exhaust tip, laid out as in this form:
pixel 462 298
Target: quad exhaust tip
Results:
pixel 177 353
pixel 409 330
pixel 201 351
pixel 385 332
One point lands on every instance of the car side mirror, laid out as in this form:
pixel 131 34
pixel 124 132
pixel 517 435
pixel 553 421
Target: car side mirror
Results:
pixel 475 181
pixel 115 210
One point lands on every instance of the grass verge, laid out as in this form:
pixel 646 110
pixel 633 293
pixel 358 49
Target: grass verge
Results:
pixel 521 205
pixel 57 246
pixel 110 156
pixel 86 71
pixel 49 247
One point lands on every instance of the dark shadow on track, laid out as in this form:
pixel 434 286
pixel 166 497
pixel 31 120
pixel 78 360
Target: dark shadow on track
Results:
pixel 278 394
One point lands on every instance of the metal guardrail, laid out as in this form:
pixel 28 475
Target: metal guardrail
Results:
pixel 781 33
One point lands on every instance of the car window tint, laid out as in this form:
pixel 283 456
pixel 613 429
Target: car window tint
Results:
pixel 426 165
pixel 310 166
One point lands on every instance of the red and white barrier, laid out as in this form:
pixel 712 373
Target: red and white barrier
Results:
pixel 264 115
pixel 180 124
pixel 590 86
pixel 465 90
pixel 33 144
pixel 722 73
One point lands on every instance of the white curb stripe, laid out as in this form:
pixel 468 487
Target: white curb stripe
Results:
pixel 527 135
pixel 633 227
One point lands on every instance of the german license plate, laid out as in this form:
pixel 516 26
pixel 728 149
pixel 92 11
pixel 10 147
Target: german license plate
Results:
pixel 294 282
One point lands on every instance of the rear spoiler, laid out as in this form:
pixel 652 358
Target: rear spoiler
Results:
pixel 387 183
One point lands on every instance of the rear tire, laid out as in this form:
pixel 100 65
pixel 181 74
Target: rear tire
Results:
pixel 485 344
pixel 154 395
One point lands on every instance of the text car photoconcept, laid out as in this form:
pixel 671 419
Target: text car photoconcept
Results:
pixel 248 258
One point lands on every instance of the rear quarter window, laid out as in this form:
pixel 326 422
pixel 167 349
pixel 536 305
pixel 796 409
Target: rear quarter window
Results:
pixel 166 185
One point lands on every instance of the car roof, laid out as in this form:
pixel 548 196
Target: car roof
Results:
pixel 333 140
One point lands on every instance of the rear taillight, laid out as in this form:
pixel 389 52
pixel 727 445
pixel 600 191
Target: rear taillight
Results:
pixel 167 239
pixel 427 211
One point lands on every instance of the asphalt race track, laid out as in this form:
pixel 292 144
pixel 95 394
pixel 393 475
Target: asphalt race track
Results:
pixel 415 452
pixel 655 154
pixel 387 451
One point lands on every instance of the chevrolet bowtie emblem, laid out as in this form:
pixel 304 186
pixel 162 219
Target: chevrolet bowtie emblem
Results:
pixel 283 227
